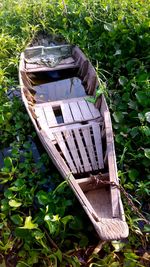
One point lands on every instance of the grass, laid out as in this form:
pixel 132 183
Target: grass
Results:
pixel 115 36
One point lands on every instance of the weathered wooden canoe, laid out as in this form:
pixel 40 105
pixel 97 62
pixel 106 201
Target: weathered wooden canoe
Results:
pixel 76 133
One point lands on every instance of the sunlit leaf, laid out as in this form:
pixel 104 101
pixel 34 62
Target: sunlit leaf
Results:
pixel 118 116
pixel 122 80
pixel 147 152
pixel 118 52
pixel 118 245
pixel 15 204
pixel 55 218
pixel 89 21
pixel 108 27
pixel 147 116
pixel 29 224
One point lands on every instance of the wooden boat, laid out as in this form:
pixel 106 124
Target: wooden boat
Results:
pixel 76 133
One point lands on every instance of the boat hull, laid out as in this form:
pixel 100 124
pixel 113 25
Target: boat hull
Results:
pixel 81 146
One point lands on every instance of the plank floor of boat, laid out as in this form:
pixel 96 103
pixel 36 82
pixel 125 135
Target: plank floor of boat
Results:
pixel 100 200
pixel 77 134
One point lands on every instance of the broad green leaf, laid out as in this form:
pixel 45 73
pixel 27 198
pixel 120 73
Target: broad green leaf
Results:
pixel 1 226
pixel 122 80
pixel 15 204
pixel 23 233
pixel 66 219
pixel 143 98
pixel 38 235
pixel 118 52
pixel 89 21
pixel 91 99
pixel 19 182
pixel 118 245
pixel 147 152
pixel 1 118
pixel 108 27
pixel 22 264
pixel 8 194
pixel 133 174
pixel 4 205
pixel 83 241
pixel 115 264
pixel 33 259
pixel 131 255
pixel 147 228
pixel 43 197
pixel 118 116
pixel 51 225
pixel 58 254
pixel 29 224
pixel 55 218
pixel 17 219
pixel 8 162
pixel 5 177
pixel 145 130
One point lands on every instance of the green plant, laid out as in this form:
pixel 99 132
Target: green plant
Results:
pixel 38 227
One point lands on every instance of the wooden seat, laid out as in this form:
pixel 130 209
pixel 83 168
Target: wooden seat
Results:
pixel 81 148
pixel 75 110
pixel 78 135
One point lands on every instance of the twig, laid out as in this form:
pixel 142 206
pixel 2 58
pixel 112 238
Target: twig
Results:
pixel 96 250
pixel 51 241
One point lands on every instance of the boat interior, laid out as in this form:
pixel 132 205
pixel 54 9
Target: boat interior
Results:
pixel 61 99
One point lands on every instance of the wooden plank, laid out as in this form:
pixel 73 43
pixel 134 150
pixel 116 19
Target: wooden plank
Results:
pixel 40 68
pixel 62 127
pixel 83 153
pixel 59 102
pixel 73 149
pixel 40 116
pixel 98 144
pixel 104 106
pixel 64 149
pixel 66 112
pixel 89 145
pixel 42 122
pixel 83 200
pixel 76 112
pixel 108 127
pixel 66 127
pixel 50 116
pixel 95 112
pixel 86 113
pixel 115 194
pixel 102 176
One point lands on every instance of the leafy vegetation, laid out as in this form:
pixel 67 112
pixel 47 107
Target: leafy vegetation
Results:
pixel 39 226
